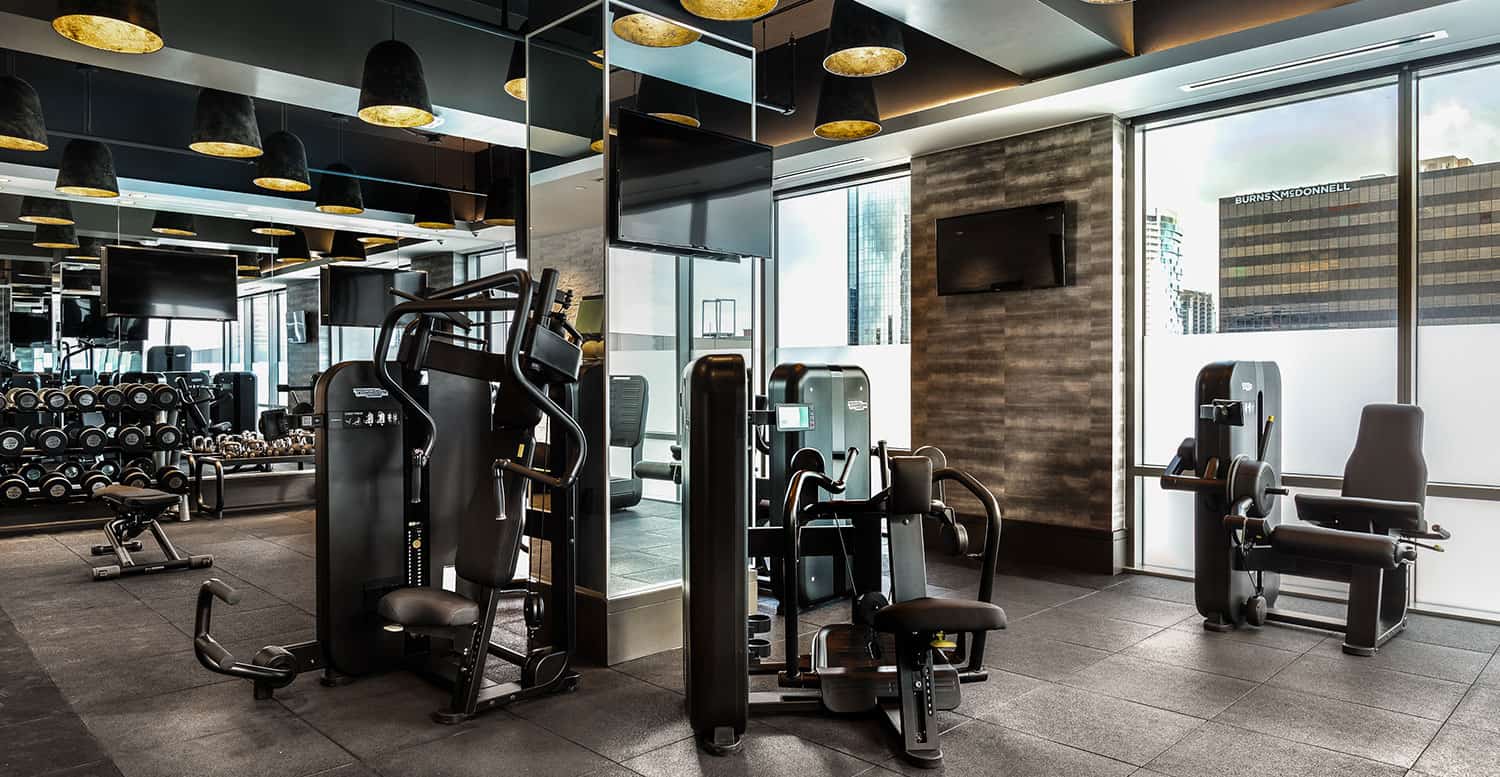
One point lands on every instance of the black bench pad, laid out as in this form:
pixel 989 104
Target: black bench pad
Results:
pixel 132 498
pixel 931 614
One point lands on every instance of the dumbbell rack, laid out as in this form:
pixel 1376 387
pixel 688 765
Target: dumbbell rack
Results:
pixel 72 472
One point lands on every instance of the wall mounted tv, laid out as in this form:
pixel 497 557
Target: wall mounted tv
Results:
pixel 155 283
pixel 83 317
pixel 361 296
pixel 688 190
pixel 1003 250
pixel 27 329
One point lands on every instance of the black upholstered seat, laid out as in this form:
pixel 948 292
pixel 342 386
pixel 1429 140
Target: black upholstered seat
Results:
pixel 930 614
pixel 428 607
pixel 132 498
pixel 1385 479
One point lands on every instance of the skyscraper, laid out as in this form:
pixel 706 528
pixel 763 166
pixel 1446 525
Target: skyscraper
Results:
pixel 1196 310
pixel 879 261
pixel 1163 265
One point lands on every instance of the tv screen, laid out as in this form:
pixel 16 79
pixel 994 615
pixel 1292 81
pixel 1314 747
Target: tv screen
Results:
pixel 153 283
pixel 1003 250
pixel 30 329
pixel 361 296
pixel 685 189
pixel 83 317
pixel 86 279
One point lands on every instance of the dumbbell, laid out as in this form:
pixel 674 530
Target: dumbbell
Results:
pixel 33 473
pixel 111 397
pixel 83 397
pixel 132 438
pixel 108 468
pixel 55 400
pixel 136 477
pixel 48 439
pixel 56 487
pixel 4 405
pixel 137 396
pixel 166 437
pixel 163 396
pixel 89 438
pixel 172 480
pixel 71 469
pixel 23 399
pixel 95 479
pixel 13 490
pixel 12 442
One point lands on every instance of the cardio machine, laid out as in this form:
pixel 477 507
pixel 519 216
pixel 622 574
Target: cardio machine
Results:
pixel 1367 536
pixel 895 657
pixel 416 477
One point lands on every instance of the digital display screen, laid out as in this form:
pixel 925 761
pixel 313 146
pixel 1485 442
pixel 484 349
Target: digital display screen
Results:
pixel 154 283
pixel 361 296
pixel 794 418
pixel 1003 250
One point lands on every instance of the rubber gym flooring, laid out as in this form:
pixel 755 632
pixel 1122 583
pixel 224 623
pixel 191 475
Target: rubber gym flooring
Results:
pixel 1096 676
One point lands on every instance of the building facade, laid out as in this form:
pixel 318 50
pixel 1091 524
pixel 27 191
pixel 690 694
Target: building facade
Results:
pixel 879 262
pixel 1162 241
pixel 1324 256
pixel 1198 313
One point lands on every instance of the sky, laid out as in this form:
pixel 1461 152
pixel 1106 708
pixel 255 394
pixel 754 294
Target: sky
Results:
pixel 1190 166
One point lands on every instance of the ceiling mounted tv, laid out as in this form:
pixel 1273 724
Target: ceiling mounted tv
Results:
pixel 690 191
pixel 1003 250
pixel 27 329
pixel 83 317
pixel 361 296
pixel 155 283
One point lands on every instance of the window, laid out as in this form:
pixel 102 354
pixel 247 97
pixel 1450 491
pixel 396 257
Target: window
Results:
pixel 843 278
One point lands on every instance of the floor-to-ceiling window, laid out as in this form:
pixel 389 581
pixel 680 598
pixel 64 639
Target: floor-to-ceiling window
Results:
pixel 257 343
pixel 1270 231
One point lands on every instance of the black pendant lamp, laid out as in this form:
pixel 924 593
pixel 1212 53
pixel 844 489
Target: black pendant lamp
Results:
pixel 272 229
pixel 339 192
pixel 346 248
pixel 434 210
pixel 863 42
pixel 45 210
pixel 224 125
pixel 371 241
pixel 846 109
pixel 55 236
pixel 643 29
pixel 668 100
pixel 174 224
pixel 515 73
pixel 248 263
pixel 293 249
pixel 87 170
pixel 22 125
pixel 393 91
pixel 283 166
pixel 729 10
pixel 500 201
pixel 123 26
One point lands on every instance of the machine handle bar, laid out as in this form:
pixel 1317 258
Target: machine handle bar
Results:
pixel 215 657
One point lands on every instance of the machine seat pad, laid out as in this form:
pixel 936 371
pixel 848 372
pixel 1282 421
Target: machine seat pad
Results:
pixel 131 498
pixel 931 614
pixel 1338 511
pixel 428 607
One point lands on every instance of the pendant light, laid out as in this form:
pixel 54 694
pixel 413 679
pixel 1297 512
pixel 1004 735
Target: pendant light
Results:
pixel 846 109
pixel 643 29
pixel 283 166
pixel 224 125
pixel 174 224
pixel 248 263
pixel 339 191
pixel 22 125
pixel 55 236
pixel 371 241
pixel 434 206
pixel 515 73
pixel 346 248
pixel 87 168
pixel 292 249
pixel 500 201
pixel 393 91
pixel 273 230
pixel 729 10
pixel 863 42
pixel 668 100
pixel 45 210
pixel 123 26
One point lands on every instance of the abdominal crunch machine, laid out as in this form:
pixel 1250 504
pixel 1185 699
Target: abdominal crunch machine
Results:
pixel 1367 537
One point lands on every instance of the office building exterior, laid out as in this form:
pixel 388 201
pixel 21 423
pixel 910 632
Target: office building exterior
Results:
pixel 1198 312
pixel 879 263
pixel 1162 241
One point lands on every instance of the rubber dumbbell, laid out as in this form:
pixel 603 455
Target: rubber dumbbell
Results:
pixel 23 400
pixel 13 490
pixel 137 396
pixel 163 396
pixel 55 400
pixel 93 480
pixel 109 468
pixel 172 480
pixel 71 469
pixel 48 439
pixel 83 397
pixel 166 437
pixel 33 473
pixel 132 438
pixel 89 438
pixel 4 403
pixel 111 397
pixel 12 442
pixel 135 477
pixel 56 488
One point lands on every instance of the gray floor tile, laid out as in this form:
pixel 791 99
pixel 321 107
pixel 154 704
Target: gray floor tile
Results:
pixel 1405 655
pixel 27 694
pixel 1481 637
pixel 981 748
pixel 1044 593
pixel 1461 752
pixel 89 643
pixel 154 722
pixel 1037 656
pixel 373 715
pixel 1125 607
pixel 612 714
pixel 863 736
pixel 1276 635
pixel 979 699
pixel 765 751
pixel 233 624
pixel 270 747
pixel 1152 587
pixel 1480 709
pixel 1216 750
pixel 1174 688
pixel 1312 606
pixel 1093 631
pixel 1491 673
pixel 662 669
pixel 47 744
pixel 1110 727
pixel 105 768
pixel 110 679
pixel 498 745
pixel 1379 735
pixel 1361 683
pixel 1218 656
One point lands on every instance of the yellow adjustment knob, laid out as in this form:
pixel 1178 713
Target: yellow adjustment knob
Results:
pixel 942 643
pixel 416 544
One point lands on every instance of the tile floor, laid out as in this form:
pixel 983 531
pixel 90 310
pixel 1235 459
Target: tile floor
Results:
pixel 1096 676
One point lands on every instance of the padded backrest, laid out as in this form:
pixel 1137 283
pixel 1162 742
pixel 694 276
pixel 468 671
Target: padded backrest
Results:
pixel 1387 461
pixel 627 410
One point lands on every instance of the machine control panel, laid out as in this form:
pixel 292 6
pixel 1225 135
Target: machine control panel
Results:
pixel 370 419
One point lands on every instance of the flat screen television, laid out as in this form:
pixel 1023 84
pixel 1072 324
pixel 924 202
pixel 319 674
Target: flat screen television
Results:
pixel 1003 250
pixel 361 296
pixel 155 283
pixel 27 329
pixel 689 190
pixel 83 317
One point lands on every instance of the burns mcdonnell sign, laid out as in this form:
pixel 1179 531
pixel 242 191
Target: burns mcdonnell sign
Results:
pixel 1287 194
